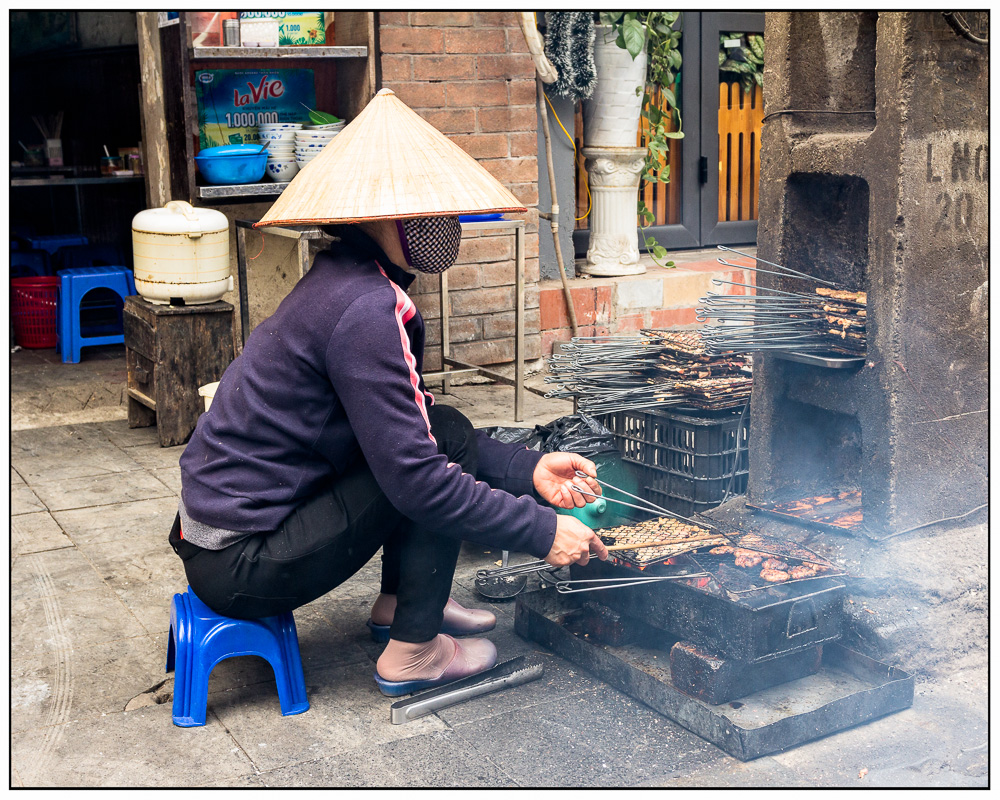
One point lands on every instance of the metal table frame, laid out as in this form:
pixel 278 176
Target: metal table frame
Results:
pixel 447 373
pixel 304 234
pixel 450 366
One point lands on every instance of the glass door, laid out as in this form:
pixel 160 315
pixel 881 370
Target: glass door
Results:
pixel 732 111
pixel 712 194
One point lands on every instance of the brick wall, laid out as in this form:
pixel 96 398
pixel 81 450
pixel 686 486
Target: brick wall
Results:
pixel 469 74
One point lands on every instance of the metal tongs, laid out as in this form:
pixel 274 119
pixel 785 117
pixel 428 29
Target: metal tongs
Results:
pixel 542 566
pixel 596 584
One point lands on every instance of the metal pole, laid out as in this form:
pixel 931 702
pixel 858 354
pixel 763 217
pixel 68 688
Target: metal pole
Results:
pixel 519 325
pixel 445 335
pixel 241 276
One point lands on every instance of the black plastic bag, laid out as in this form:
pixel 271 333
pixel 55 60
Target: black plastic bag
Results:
pixel 529 437
pixel 577 434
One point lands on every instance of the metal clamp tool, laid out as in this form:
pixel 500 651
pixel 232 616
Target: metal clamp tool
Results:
pixel 575 587
pixel 522 669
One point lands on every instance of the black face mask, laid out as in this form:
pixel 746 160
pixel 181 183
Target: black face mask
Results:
pixel 430 244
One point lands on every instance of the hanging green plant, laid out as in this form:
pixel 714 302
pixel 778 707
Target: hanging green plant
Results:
pixel 741 57
pixel 655 31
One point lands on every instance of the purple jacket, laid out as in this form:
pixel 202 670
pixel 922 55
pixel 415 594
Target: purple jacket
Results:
pixel 336 369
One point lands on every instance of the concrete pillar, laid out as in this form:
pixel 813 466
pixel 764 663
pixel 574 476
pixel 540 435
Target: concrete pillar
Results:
pixel 892 203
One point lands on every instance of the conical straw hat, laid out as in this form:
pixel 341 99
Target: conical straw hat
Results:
pixel 389 163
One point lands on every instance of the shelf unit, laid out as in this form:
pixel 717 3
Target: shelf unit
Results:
pixel 345 82
pixel 258 53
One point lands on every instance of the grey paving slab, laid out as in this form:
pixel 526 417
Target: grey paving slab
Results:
pixel 561 679
pixel 346 712
pixel 599 738
pixel 15 479
pixel 120 487
pixel 140 748
pixel 121 435
pixel 144 572
pixel 152 456
pixel 169 477
pixel 934 743
pixel 83 682
pixel 59 623
pixel 115 521
pixel 731 773
pixel 50 454
pixel 435 760
pixel 55 572
pixel 24 501
pixel 36 533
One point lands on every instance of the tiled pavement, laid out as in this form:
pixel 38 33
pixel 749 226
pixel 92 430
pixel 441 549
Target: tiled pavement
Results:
pixel 91 579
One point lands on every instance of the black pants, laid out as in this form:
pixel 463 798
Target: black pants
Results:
pixel 331 536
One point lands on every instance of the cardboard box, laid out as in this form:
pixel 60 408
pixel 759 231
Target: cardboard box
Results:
pixel 294 27
pixel 232 102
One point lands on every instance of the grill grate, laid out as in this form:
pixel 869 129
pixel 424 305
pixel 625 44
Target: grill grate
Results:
pixel 655 530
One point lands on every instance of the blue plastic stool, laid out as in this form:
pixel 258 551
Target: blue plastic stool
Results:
pixel 73 287
pixel 53 243
pixel 200 639
pixel 29 263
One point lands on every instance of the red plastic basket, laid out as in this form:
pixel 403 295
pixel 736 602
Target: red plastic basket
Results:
pixel 33 304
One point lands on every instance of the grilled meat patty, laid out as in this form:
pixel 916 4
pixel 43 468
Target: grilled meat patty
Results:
pixel 774 575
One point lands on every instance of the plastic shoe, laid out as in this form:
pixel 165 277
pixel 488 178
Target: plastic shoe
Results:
pixel 472 656
pixel 458 621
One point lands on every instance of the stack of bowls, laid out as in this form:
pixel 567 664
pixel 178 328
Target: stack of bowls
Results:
pixel 311 139
pixel 281 163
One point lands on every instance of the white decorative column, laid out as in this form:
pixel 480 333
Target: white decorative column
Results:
pixel 614 187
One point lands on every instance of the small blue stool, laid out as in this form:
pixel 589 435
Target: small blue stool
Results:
pixel 200 639
pixel 53 243
pixel 29 263
pixel 74 284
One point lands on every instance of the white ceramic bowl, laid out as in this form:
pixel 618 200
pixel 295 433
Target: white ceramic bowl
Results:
pixel 277 135
pixel 267 126
pixel 333 126
pixel 310 145
pixel 314 137
pixel 282 171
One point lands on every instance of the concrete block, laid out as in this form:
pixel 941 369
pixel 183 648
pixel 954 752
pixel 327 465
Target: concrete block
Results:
pixel 635 295
pixel 684 288
pixel 717 680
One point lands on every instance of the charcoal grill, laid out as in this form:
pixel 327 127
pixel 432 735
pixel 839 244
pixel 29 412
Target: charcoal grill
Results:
pixel 749 626
pixel 838 511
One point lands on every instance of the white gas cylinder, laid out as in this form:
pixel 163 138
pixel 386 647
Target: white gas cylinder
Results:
pixel 181 252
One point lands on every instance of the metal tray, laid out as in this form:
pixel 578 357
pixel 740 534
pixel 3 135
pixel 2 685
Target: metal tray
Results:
pixel 826 360
pixel 848 689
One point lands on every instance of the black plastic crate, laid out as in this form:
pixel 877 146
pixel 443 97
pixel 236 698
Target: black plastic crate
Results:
pixel 683 494
pixel 684 460
pixel 702 444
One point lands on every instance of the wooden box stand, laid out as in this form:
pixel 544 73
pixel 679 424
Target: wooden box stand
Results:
pixel 170 352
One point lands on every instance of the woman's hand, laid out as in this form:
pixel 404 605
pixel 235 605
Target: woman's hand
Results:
pixel 556 472
pixel 574 542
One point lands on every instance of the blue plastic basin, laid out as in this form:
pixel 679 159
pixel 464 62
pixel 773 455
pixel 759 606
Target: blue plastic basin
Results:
pixel 479 217
pixel 232 163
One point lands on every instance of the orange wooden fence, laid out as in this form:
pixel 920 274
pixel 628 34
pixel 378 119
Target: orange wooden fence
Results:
pixel 740 122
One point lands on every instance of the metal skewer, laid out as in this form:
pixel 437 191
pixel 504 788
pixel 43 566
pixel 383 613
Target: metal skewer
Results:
pixel 650 505
pixel 583 585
